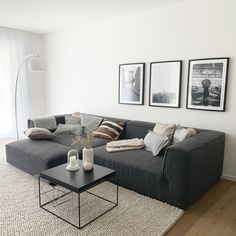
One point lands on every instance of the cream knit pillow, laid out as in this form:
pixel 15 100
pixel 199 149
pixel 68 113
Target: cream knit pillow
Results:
pixel 165 130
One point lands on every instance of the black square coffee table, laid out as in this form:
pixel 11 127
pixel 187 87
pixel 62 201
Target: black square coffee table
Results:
pixel 78 182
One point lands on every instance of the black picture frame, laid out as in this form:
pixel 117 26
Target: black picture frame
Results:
pixel 207 84
pixel 131 83
pixel 162 75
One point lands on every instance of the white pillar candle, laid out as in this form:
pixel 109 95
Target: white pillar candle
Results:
pixel 73 162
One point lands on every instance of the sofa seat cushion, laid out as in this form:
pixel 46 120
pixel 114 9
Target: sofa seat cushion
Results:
pixel 34 156
pixel 141 159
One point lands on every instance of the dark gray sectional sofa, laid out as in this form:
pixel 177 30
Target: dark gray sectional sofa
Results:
pixel 179 175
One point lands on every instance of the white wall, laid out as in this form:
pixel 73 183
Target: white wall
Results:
pixel 82 63
pixel 36 82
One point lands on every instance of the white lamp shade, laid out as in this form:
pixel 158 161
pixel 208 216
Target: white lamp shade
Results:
pixel 36 65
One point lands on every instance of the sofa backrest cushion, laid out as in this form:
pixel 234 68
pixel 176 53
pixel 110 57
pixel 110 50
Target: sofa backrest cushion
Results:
pixel 72 120
pixel 60 119
pixel 137 129
pixel 91 122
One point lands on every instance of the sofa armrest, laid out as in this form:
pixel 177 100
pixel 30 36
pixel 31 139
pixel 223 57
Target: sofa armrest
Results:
pixel 60 119
pixel 192 166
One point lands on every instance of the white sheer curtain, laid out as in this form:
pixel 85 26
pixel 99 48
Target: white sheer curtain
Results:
pixel 13 47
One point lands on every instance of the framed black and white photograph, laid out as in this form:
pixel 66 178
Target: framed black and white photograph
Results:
pixel 131 83
pixel 207 82
pixel 165 83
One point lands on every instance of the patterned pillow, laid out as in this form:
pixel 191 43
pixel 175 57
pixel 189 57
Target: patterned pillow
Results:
pixel 109 130
pixel 155 142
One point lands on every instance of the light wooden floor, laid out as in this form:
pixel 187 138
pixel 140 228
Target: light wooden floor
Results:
pixel 213 214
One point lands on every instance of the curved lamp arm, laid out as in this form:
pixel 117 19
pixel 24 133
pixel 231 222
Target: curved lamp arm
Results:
pixel 27 58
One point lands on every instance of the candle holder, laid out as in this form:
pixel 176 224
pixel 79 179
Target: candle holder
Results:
pixel 72 160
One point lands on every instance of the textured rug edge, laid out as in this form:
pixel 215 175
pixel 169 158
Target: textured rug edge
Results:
pixel 174 222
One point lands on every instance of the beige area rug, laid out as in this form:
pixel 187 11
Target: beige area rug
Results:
pixel 20 213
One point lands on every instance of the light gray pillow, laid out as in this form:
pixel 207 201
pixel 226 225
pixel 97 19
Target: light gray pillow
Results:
pixel 182 133
pixel 47 122
pixel 155 142
pixel 38 133
pixel 69 129
pixel 72 120
pixel 90 122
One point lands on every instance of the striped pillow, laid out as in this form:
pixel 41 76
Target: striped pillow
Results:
pixel 155 142
pixel 108 130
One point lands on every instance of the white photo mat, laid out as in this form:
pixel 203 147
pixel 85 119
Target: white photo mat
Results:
pixel 165 82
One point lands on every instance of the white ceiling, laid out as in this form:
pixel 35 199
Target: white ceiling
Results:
pixel 43 16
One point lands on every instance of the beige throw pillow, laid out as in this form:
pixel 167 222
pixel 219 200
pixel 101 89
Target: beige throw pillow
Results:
pixel 77 113
pixel 38 133
pixel 165 130
pixel 191 132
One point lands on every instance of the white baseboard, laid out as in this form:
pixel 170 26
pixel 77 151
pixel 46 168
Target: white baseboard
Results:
pixel 228 177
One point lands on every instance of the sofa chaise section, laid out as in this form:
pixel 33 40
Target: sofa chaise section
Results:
pixel 35 156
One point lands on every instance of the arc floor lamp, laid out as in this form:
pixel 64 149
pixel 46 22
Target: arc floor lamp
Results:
pixel 26 59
